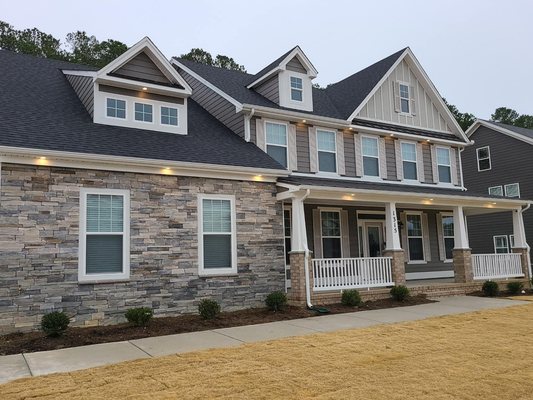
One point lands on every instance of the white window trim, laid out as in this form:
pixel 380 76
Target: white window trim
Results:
pixel 506 241
pixel 416 160
pixel 370 177
pixel 512 184
pixel 478 159
pixel 104 277
pixel 216 271
pixel 270 121
pixel 408 114
pixel 161 115
pixel 336 173
pixel 144 104
pixel 125 109
pixel 441 215
pixel 423 237
pixel 444 165
pixel 338 211
pixel 493 187
pixel 291 89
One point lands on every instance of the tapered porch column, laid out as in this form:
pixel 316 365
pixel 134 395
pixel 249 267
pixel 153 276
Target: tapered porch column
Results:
pixel 393 247
pixel 520 244
pixel 298 248
pixel 462 254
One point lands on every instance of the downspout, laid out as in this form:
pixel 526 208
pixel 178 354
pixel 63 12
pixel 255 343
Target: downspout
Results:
pixel 528 257
pixel 247 119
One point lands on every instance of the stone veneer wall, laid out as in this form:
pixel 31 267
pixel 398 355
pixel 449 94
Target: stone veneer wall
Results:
pixel 39 219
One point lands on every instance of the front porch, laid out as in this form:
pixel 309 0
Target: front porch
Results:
pixel 352 240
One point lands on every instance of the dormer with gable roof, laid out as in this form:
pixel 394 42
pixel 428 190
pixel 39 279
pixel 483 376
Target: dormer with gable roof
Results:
pixel 139 89
pixel 288 81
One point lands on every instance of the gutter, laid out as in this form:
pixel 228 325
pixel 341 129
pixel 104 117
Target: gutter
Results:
pixel 247 119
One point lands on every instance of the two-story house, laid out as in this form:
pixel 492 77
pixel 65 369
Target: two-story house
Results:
pixel 158 183
pixel 499 163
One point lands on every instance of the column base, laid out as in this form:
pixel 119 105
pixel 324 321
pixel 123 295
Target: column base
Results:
pixel 462 265
pixel 524 260
pixel 297 262
pixel 397 265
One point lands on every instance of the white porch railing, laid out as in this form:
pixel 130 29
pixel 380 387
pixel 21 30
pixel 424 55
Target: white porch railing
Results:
pixel 351 273
pixel 497 266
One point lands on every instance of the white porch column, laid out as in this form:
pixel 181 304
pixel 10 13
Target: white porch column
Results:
pixel 298 229
pixel 462 254
pixel 459 229
pixel 300 279
pixel 393 232
pixel 518 230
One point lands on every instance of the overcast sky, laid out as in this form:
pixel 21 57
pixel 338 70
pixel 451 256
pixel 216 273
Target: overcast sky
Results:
pixel 479 54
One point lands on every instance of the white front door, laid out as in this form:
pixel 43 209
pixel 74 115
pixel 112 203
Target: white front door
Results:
pixel 373 239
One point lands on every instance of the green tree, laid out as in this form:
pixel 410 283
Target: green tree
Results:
pixel 524 121
pixel 88 50
pixel 228 63
pixel 504 115
pixel 204 57
pixel 465 120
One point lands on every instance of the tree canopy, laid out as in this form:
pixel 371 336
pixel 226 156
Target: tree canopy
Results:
pixel 463 119
pixel 511 117
pixel 204 57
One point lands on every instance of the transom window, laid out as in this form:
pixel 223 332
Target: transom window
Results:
pixel 116 108
pixel 483 158
pixel 296 88
pixel 448 236
pixel 409 161
pixel 496 190
pixel 217 247
pixel 501 244
pixel 415 237
pixel 404 98
pixel 512 190
pixel 444 164
pixel 143 112
pixel 330 222
pixel 169 116
pixel 276 142
pixel 370 152
pixel 104 234
pixel 327 151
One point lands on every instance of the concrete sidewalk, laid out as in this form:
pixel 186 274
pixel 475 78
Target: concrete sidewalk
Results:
pixel 75 358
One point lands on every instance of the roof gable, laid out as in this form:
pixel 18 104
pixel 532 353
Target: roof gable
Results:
pixel 142 67
pixel 516 132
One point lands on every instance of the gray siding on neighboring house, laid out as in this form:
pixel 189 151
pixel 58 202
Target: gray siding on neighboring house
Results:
pixel 215 104
pixel 296 66
pixel 390 153
pixel 142 67
pixel 428 167
pixel 349 154
pixel 302 148
pixel 270 89
pixel 84 88
pixel 511 162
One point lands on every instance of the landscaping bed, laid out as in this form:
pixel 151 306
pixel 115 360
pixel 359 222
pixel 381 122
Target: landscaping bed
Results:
pixel 15 343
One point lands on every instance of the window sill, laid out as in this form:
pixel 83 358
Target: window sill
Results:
pixel 417 262
pixel 98 281
pixel 214 274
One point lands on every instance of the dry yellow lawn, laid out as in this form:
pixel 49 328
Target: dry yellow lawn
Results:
pixel 483 355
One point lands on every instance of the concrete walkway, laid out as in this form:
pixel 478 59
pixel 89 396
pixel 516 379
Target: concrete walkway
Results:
pixel 75 358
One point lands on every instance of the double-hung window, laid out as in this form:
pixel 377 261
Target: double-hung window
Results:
pixel 448 236
pixel 409 161
pixel 217 242
pixel 276 142
pixel 415 237
pixel 512 190
pixel 483 158
pixel 104 234
pixel 404 98
pixel 143 112
pixel 296 89
pixel 444 165
pixel 169 116
pixel 501 244
pixel 330 223
pixel 496 190
pixel 116 108
pixel 370 153
pixel 327 151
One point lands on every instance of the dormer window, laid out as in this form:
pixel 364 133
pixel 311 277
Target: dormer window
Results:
pixel 296 89
pixel 143 112
pixel 116 108
pixel 404 98
pixel 169 116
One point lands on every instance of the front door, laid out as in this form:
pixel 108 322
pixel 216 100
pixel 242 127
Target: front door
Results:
pixel 373 239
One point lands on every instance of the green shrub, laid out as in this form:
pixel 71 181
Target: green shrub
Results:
pixel 490 288
pixel 351 298
pixel 55 323
pixel 514 287
pixel 399 293
pixel 209 309
pixel 139 316
pixel 275 301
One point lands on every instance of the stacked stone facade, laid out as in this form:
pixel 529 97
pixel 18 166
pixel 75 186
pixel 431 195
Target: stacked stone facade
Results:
pixel 39 233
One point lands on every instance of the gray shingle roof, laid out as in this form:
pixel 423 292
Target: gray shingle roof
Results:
pixel 270 66
pixel 521 131
pixel 40 110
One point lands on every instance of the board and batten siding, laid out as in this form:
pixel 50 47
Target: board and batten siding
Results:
pixel 296 66
pixel 142 67
pixel 270 89
pixel 215 104
pixel 381 105
pixel 84 88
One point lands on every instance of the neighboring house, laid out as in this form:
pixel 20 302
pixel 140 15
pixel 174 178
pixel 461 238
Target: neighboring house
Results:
pixel 160 183
pixel 500 163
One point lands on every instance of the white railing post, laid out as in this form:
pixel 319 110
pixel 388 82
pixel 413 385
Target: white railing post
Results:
pixel 497 266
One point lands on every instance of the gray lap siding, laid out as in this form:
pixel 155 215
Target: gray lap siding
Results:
pixel 39 233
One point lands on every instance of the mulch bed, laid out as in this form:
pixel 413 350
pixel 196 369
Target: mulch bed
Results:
pixel 15 343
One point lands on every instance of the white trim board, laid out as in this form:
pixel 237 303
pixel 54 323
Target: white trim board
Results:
pixel 480 122
pixel 413 276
